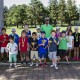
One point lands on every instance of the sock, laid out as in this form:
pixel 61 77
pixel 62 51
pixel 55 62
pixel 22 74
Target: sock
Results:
pixel 10 64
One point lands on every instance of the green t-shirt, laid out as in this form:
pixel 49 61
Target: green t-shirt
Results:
pixel 47 28
pixel 63 44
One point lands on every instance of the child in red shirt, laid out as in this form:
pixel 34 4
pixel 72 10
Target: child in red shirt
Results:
pixel 23 47
pixel 4 39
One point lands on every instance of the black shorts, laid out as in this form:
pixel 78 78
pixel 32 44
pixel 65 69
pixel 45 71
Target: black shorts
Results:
pixel 76 44
pixel 63 53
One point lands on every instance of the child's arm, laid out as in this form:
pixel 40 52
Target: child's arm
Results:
pixel 7 47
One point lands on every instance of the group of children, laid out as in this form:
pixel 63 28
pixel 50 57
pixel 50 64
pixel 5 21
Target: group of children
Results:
pixel 58 46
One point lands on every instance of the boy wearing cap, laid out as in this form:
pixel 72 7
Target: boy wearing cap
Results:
pixel 4 39
pixel 38 32
pixel 16 37
pixel 47 28
pixel 43 43
pixel 76 35
pixel 63 46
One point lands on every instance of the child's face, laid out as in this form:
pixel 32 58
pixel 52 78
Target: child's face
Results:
pixel 76 30
pixel 63 34
pixel 70 33
pixel 11 41
pixel 13 32
pixel 23 34
pixel 43 35
pixel 3 31
pixel 53 34
pixel 38 30
pixel 33 35
pixel 58 30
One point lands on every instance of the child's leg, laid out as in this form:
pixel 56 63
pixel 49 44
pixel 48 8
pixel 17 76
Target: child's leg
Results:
pixel 10 60
pixel 67 58
pixel 74 53
pixel 22 57
pixel 15 59
pixel 27 57
pixel 2 53
pixel 77 53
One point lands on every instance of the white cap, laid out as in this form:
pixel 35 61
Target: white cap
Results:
pixel 57 27
pixel 13 30
pixel 47 18
pixel 76 27
pixel 38 27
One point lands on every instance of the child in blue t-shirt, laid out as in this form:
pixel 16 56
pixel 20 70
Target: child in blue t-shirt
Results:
pixel 16 37
pixel 43 43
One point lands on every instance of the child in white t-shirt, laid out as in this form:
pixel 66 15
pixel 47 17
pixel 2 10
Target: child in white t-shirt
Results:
pixel 38 32
pixel 70 42
pixel 13 50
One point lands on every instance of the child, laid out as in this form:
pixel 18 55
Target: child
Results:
pixel 70 42
pixel 38 32
pixel 34 48
pixel 76 35
pixel 53 42
pixel 13 50
pixel 43 43
pixel 4 39
pixel 28 32
pixel 58 34
pixel 23 47
pixel 63 46
pixel 16 37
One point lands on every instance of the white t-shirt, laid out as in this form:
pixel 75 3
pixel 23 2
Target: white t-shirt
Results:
pixel 70 39
pixel 38 36
pixel 13 48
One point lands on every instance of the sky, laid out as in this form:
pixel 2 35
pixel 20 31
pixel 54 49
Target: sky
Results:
pixel 9 3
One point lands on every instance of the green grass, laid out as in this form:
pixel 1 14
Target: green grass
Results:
pixel 18 30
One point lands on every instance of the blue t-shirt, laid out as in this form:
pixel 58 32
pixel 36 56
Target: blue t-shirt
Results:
pixel 28 33
pixel 53 45
pixel 16 38
pixel 42 49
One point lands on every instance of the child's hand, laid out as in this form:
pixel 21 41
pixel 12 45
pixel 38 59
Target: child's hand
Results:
pixel 34 48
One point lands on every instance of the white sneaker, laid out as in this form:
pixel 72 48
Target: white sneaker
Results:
pixel 31 64
pixel 16 67
pixel 56 67
pixel 10 67
pixel 36 64
pixel 52 65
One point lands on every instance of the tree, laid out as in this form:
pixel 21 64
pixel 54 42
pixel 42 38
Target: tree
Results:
pixel 61 11
pixel 53 7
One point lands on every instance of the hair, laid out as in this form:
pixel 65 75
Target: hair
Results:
pixel 3 29
pixel 34 33
pixel 23 31
pixel 53 31
pixel 69 31
pixel 11 37
pixel 67 28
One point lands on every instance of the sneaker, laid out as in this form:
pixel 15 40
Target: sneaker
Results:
pixel 52 65
pixel 16 67
pixel 36 64
pixel 45 64
pixel 22 62
pixel 40 65
pixel 10 67
pixel 31 64
pixel 56 67
pixel 26 62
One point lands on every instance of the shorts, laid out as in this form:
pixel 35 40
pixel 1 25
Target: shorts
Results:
pixel 24 54
pixel 70 48
pixel 76 44
pixel 53 55
pixel 34 54
pixel 41 55
pixel 63 53
pixel 4 49
pixel 12 58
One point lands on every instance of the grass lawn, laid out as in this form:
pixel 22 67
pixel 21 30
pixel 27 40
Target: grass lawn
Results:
pixel 18 30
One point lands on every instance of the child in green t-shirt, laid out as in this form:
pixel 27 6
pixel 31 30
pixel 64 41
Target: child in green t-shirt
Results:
pixel 63 46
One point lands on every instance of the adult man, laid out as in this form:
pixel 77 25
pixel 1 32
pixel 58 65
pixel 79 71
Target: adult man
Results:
pixel 47 28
